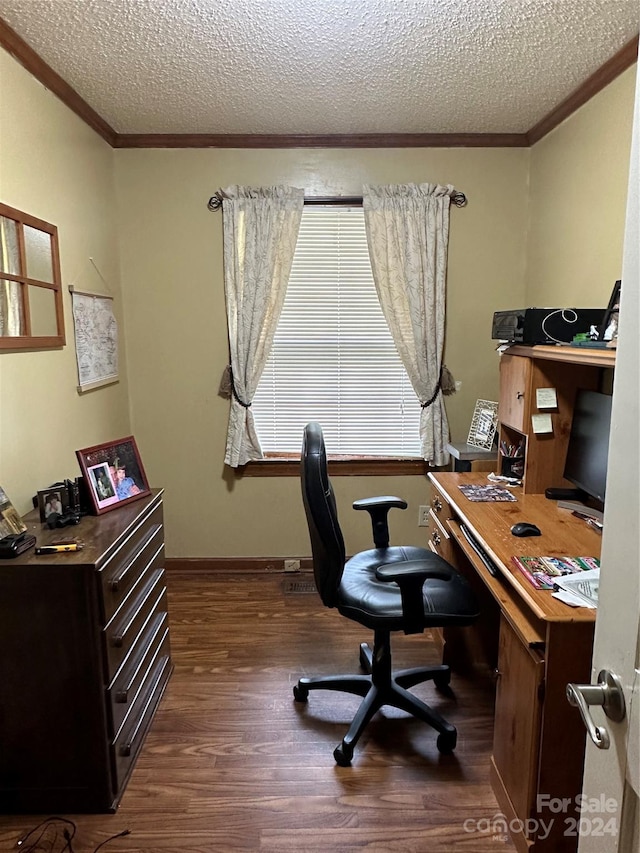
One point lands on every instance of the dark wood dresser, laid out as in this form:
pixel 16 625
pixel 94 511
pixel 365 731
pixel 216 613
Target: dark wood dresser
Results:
pixel 84 660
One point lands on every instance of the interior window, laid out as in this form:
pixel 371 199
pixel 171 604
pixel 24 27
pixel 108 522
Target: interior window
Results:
pixel 31 313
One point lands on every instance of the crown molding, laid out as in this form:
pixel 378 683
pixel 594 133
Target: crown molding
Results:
pixel 27 57
pixel 353 140
pixel 606 74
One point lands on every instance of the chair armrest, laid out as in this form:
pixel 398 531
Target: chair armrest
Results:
pixel 378 509
pixel 410 577
pixel 387 501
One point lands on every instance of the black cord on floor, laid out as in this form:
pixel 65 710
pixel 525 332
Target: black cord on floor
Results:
pixel 52 826
pixel 107 840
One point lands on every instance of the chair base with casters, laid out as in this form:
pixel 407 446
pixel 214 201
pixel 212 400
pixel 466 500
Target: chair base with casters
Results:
pixel 383 687
pixel 386 589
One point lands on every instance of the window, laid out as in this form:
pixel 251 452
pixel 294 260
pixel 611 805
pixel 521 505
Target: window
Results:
pixel 333 358
pixel 31 312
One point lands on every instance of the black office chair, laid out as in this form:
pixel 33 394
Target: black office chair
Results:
pixel 386 589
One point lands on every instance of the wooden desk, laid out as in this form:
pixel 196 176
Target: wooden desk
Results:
pixel 534 643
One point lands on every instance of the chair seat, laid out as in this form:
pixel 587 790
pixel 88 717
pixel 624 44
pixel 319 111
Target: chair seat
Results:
pixel 378 604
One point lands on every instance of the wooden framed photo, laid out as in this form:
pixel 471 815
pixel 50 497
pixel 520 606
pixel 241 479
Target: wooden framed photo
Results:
pixel 113 473
pixel 609 329
pixel 484 424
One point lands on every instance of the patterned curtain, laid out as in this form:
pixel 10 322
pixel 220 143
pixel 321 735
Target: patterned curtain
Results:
pixel 260 233
pixel 408 235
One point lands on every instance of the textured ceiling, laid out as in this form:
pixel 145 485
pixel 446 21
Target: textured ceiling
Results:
pixel 323 66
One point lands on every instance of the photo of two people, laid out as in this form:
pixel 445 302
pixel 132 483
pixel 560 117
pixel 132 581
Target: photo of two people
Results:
pixel 114 473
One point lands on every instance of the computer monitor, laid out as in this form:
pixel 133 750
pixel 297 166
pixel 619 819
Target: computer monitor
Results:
pixel 586 462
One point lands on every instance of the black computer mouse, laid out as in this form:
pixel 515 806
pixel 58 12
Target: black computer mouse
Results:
pixel 525 528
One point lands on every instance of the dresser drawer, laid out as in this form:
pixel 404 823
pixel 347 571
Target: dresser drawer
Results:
pixel 129 624
pixel 127 744
pixel 122 571
pixel 126 687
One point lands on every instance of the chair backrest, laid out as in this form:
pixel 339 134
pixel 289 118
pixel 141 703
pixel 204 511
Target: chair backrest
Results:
pixel 327 544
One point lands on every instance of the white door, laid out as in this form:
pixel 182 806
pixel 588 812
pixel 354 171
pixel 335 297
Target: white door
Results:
pixel 610 817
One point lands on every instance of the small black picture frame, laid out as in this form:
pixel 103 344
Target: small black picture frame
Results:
pixel 53 499
pixel 609 329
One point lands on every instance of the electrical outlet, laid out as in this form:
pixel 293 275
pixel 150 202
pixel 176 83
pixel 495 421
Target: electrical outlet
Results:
pixel 423 516
pixel 292 565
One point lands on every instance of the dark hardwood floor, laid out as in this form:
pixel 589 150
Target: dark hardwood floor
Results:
pixel 232 763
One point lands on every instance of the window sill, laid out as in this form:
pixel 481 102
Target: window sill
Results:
pixel 339 466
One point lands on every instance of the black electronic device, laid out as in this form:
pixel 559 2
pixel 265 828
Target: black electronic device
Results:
pixel 56 519
pixel 560 494
pixel 486 559
pixel 532 326
pixel 16 544
pixel 526 528
pixel 586 461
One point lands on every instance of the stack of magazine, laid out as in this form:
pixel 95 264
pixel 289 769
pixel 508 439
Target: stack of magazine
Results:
pixel 549 572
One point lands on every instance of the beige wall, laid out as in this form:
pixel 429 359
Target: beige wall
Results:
pixel 579 176
pixel 54 167
pixel 171 307
pixel 171 248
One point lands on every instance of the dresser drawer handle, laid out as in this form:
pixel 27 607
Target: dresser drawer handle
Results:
pixel 436 538
pixel 437 504
pixel 117 579
pixel 118 637
pixel 122 695
pixel 127 747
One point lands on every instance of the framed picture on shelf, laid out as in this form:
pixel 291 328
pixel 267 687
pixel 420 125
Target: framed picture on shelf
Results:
pixel 113 473
pixel 609 329
pixel 484 424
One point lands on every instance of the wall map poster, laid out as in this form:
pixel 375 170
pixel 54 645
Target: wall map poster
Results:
pixel 96 333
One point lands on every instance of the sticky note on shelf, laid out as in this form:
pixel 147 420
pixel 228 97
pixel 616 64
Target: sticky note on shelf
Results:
pixel 541 424
pixel 546 398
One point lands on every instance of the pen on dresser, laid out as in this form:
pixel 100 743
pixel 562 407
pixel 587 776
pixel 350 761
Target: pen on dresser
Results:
pixel 56 549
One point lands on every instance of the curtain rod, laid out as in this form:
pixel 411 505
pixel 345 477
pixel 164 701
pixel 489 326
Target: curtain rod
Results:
pixel 215 202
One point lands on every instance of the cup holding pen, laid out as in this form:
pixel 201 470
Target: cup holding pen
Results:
pixel 513 466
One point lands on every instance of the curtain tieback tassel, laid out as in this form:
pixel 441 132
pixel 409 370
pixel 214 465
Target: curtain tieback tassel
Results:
pixel 227 387
pixel 446 384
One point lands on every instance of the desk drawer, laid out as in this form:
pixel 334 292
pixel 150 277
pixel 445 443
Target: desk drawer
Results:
pixel 128 626
pixel 127 744
pixel 125 688
pixel 439 537
pixel 440 506
pixel 120 573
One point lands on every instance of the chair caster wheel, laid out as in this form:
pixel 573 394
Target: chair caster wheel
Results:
pixel 446 742
pixel 365 658
pixel 343 755
pixel 442 682
pixel 300 694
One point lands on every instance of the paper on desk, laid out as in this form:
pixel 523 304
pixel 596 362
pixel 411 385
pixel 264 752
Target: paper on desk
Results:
pixel 579 589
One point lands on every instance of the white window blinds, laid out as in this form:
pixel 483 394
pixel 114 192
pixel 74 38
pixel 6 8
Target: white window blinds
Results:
pixel 333 359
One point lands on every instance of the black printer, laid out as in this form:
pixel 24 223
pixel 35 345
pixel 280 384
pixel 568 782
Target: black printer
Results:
pixel 544 325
